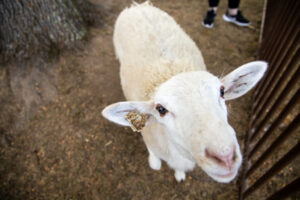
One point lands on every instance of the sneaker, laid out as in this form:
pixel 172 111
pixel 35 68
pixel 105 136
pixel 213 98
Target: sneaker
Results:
pixel 208 22
pixel 238 19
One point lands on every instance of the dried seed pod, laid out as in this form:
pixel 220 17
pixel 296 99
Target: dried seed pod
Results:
pixel 137 120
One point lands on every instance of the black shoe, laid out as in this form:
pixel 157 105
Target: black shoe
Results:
pixel 208 22
pixel 238 19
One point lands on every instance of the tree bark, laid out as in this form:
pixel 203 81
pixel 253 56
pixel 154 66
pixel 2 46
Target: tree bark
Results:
pixel 29 27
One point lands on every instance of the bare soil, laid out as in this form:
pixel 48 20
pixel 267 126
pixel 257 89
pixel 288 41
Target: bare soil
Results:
pixel 54 143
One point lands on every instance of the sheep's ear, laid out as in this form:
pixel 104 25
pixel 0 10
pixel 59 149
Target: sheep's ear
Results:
pixel 243 79
pixel 117 112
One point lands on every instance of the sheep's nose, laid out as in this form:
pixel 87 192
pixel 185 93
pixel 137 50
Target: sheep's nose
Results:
pixel 225 160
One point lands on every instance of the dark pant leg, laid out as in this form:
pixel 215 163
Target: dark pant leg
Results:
pixel 233 3
pixel 213 3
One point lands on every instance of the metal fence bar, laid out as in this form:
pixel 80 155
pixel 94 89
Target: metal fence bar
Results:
pixel 291 84
pixel 280 82
pixel 287 23
pixel 263 21
pixel 276 123
pixel 266 41
pixel 275 98
pixel 273 37
pixel 291 188
pixel 271 18
pixel 276 69
pixel 285 160
pixel 291 36
pixel 275 77
pixel 280 139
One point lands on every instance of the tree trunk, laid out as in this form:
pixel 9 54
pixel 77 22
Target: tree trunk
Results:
pixel 29 27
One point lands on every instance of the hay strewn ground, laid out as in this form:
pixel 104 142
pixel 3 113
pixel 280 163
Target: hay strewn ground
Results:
pixel 54 142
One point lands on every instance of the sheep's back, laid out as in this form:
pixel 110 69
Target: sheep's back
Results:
pixel 151 48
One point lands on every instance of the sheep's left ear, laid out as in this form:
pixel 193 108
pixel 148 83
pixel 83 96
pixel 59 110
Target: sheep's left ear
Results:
pixel 117 112
pixel 243 79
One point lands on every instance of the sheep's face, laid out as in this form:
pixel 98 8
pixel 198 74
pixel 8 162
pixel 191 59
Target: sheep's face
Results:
pixel 191 108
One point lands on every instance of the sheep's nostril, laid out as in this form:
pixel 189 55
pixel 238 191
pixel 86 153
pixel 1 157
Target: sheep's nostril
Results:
pixel 221 159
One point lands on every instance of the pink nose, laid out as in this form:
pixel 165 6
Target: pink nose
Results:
pixel 225 160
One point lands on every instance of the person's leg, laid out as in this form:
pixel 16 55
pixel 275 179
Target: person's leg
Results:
pixel 213 5
pixel 234 15
pixel 208 21
pixel 233 7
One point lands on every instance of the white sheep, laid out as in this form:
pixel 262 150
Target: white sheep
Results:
pixel 164 76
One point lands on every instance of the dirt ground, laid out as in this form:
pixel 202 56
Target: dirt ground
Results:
pixel 55 144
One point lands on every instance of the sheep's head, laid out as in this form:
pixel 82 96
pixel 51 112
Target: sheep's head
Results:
pixel 191 108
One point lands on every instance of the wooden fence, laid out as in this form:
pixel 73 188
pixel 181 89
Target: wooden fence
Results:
pixel 271 166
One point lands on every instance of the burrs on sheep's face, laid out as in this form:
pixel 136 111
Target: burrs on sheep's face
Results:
pixel 137 120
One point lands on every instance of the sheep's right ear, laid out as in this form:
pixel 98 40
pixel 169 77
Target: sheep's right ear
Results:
pixel 117 112
pixel 243 79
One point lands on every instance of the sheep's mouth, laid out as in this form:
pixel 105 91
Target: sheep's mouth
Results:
pixel 225 175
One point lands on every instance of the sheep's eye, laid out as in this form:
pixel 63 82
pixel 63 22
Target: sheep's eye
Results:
pixel 222 91
pixel 162 111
